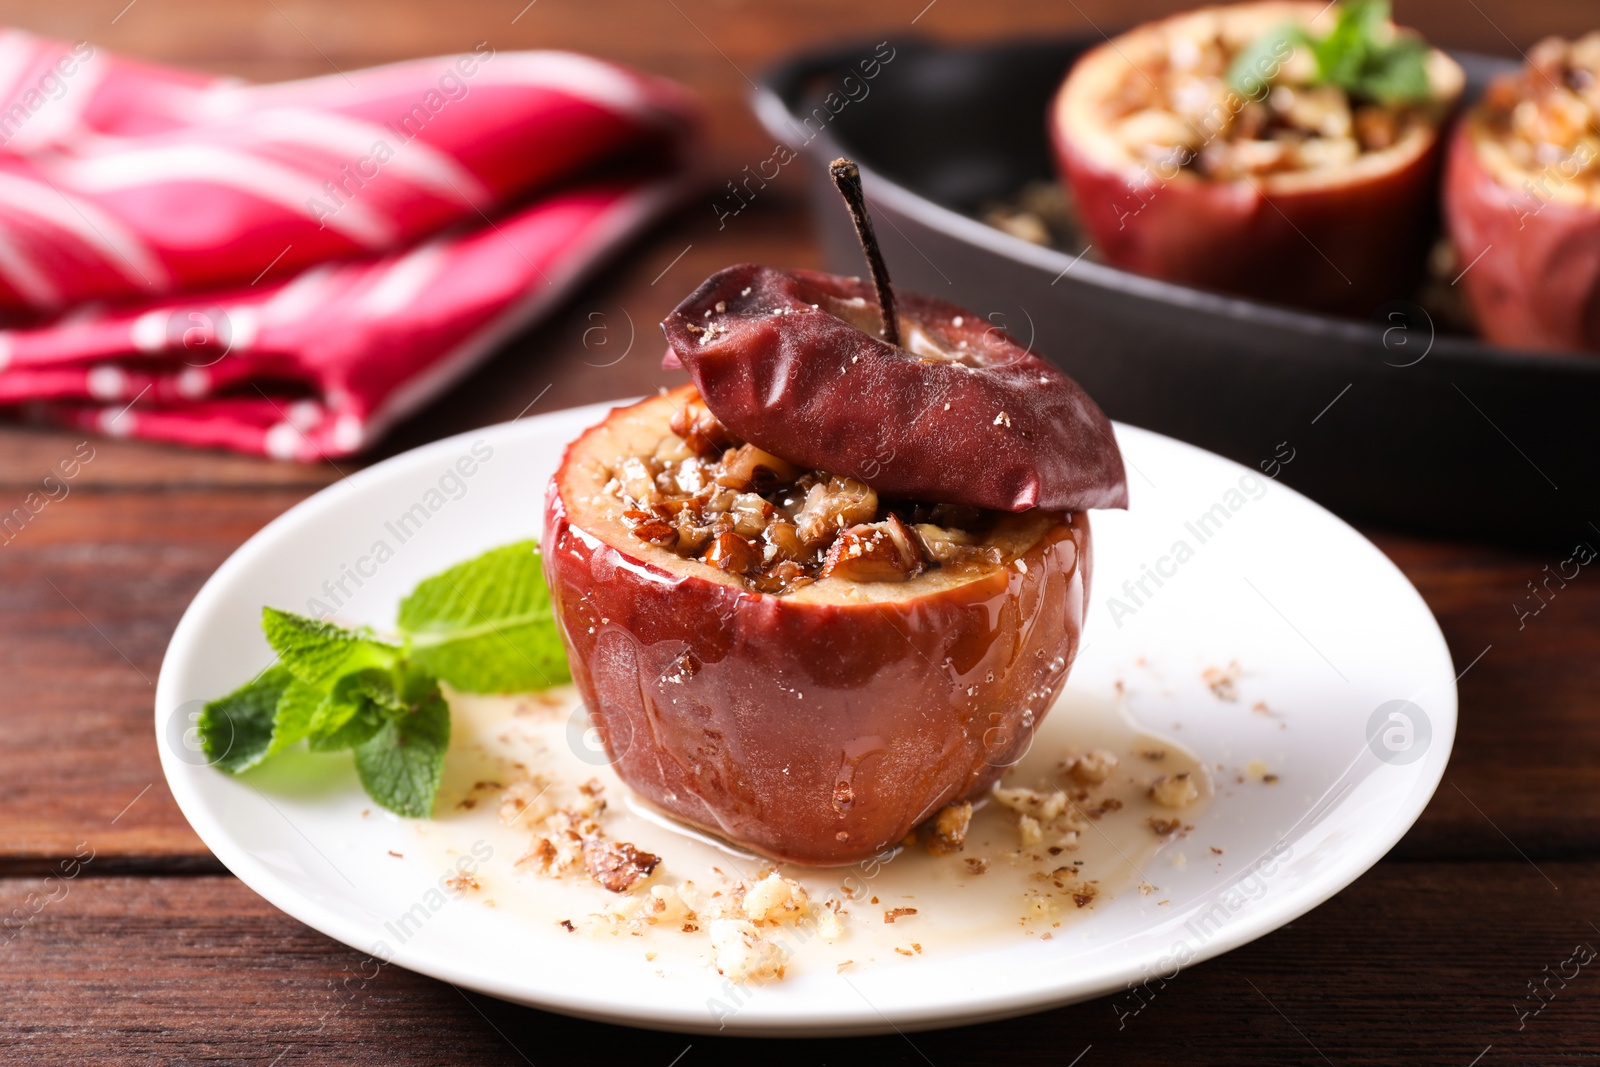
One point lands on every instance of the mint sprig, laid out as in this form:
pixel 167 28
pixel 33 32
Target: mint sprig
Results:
pixel 1358 55
pixel 483 626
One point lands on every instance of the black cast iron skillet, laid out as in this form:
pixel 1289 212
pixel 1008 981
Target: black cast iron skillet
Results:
pixel 1388 420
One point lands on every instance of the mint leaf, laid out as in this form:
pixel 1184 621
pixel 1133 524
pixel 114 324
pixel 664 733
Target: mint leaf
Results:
pixel 296 709
pixel 400 766
pixel 343 702
pixel 1368 16
pixel 1399 74
pixel 236 730
pixel 1343 52
pixel 359 704
pixel 1355 57
pixel 487 626
pixel 320 653
pixel 352 729
pixel 346 716
pixel 1253 68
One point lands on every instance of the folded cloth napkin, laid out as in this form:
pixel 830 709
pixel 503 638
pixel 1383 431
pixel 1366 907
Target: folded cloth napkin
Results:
pixel 287 269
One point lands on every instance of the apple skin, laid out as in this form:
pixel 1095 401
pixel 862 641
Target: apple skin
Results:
pixel 813 733
pixel 1373 236
pixel 1539 284
pixel 1345 247
pixel 1007 432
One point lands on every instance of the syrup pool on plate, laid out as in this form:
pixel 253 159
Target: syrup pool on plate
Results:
pixel 1059 846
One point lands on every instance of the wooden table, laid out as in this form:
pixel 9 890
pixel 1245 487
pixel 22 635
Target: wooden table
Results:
pixel 156 954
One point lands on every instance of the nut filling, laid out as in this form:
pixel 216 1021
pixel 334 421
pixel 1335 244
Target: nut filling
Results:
pixel 707 496
pixel 1176 111
pixel 1548 113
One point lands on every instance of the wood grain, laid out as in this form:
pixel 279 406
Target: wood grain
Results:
pixel 1414 963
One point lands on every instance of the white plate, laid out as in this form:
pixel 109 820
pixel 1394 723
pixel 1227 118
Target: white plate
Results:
pixel 1326 629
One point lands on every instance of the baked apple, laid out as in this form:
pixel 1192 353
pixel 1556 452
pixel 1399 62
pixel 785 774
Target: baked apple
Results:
pixel 1522 200
pixel 779 640
pixel 1286 151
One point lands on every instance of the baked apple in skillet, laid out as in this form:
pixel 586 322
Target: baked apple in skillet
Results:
pixel 1283 150
pixel 834 584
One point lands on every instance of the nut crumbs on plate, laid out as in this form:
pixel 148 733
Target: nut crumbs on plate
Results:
pixel 947 831
pixel 1223 681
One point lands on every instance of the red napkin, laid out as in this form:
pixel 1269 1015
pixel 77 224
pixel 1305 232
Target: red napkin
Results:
pixel 287 269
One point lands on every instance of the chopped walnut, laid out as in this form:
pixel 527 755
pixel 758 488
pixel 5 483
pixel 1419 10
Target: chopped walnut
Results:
pixel 1174 790
pixel 1042 806
pixel 663 906
pixel 1164 827
pixel 896 913
pixel 1082 893
pixel 617 865
pixel 832 504
pixel 775 899
pixel 946 545
pixel 830 924
pixel 1106 804
pixel 1091 768
pixel 558 849
pixel 1041 816
pixel 742 954
pixel 701 431
pixel 750 468
pixel 731 552
pixel 947 832
pixel 875 552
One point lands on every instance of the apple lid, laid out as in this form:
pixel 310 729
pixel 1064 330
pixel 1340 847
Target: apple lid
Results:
pixel 958 413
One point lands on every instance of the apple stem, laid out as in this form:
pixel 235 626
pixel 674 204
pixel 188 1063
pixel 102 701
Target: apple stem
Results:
pixel 847 177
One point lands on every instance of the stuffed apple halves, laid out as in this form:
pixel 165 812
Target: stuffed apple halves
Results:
pixel 1282 150
pixel 835 584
